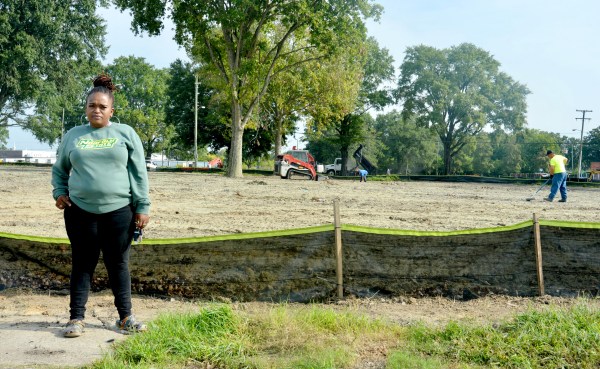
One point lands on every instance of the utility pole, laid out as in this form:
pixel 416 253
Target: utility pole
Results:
pixel 583 118
pixel 196 123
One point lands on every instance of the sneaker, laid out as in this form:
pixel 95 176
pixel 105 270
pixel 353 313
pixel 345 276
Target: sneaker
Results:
pixel 74 328
pixel 129 325
pixel 547 199
pixel 562 200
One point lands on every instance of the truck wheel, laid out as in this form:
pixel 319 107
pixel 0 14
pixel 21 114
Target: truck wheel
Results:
pixel 290 173
pixel 331 172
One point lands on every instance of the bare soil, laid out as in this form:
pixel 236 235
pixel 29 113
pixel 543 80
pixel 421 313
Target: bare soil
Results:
pixel 188 205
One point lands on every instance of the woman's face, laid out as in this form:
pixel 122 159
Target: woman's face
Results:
pixel 99 109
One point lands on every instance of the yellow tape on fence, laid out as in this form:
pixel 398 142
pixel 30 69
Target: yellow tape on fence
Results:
pixel 569 224
pixel 398 232
pixel 325 228
pixel 34 238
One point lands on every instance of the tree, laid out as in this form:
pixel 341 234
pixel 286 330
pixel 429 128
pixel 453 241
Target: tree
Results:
pixel 213 113
pixel 325 146
pixel 506 155
pixel 180 109
pixel 229 36
pixel 352 85
pixel 47 50
pixel 407 148
pixel 591 148
pixel 570 148
pixel 334 98
pixel 490 154
pixel 3 138
pixel 141 101
pixel 457 92
pixel 287 97
pixel 534 144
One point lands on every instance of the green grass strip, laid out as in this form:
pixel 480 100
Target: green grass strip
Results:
pixel 273 337
pixel 554 338
pixel 398 232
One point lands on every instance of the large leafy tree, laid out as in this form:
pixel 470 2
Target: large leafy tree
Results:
pixel 534 144
pixel 229 36
pixel 457 92
pixel 181 105
pixel 495 153
pixel 47 49
pixel 358 78
pixel 325 146
pixel 407 148
pixel 141 101
pixel 281 108
pixel 506 154
pixel 333 100
pixel 287 97
pixel 213 132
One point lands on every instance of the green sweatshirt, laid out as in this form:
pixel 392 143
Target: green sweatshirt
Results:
pixel 102 169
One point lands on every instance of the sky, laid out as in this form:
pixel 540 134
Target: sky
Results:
pixel 550 46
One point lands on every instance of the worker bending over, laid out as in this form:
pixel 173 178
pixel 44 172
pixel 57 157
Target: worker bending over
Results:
pixel 363 175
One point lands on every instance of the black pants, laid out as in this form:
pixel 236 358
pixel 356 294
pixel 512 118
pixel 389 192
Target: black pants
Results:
pixel 89 234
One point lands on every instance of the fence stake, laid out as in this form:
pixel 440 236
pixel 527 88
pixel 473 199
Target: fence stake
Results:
pixel 338 248
pixel 538 253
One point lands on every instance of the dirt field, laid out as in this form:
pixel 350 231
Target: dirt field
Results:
pixel 187 205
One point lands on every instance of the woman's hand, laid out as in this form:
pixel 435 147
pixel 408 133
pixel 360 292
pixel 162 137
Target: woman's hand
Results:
pixel 63 201
pixel 141 220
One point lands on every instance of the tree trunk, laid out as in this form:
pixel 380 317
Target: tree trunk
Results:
pixel 344 155
pixel 278 134
pixel 344 142
pixel 447 157
pixel 234 165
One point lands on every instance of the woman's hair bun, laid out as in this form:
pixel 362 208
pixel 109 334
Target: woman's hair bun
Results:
pixel 104 80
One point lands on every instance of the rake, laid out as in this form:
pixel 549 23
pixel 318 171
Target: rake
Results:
pixel 539 189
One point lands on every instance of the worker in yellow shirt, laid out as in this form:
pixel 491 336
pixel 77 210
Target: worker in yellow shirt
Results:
pixel 559 176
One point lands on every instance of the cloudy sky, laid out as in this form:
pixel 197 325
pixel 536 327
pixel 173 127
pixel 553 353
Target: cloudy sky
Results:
pixel 549 45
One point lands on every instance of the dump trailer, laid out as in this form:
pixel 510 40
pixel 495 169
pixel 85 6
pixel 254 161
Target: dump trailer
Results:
pixel 362 161
pixel 296 164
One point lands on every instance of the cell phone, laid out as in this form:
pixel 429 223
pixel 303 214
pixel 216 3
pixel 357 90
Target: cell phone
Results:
pixel 138 235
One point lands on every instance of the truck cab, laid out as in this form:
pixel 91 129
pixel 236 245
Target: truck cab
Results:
pixel 335 168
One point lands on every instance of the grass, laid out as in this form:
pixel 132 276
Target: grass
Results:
pixel 303 336
pixel 312 336
pixel 556 338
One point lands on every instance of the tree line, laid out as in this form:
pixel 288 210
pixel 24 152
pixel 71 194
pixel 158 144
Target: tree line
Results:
pixel 264 68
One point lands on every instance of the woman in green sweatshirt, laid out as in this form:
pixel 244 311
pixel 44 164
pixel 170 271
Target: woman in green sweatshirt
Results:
pixel 101 183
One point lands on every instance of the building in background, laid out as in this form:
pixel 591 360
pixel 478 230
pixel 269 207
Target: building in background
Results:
pixel 28 156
